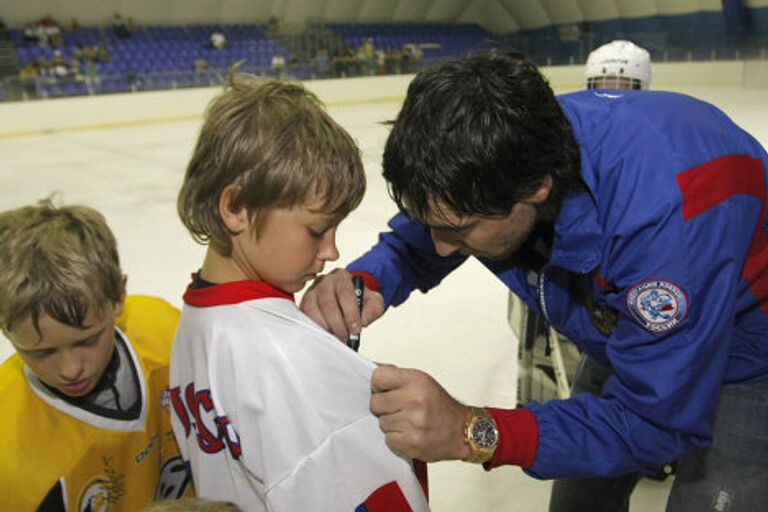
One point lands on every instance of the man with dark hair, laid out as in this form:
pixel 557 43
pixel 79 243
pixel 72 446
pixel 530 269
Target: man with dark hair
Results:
pixel 635 223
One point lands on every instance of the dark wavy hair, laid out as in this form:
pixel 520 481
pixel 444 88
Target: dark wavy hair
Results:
pixel 478 134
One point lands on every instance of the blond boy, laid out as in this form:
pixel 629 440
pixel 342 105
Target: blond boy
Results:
pixel 271 411
pixel 85 396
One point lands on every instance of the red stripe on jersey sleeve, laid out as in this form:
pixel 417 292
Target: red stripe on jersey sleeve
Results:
pixel 387 498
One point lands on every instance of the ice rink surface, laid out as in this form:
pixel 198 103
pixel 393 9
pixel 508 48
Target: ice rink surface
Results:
pixel 458 332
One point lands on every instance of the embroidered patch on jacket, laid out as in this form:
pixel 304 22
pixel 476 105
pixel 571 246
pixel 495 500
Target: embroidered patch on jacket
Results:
pixel 657 305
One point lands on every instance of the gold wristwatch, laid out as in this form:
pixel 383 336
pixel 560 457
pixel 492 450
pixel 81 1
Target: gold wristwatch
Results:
pixel 481 434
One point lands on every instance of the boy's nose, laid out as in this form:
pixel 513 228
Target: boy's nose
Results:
pixel 329 251
pixel 70 366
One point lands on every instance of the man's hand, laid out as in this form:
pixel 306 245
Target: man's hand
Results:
pixel 420 419
pixel 331 302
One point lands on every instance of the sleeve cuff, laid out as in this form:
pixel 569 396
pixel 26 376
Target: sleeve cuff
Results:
pixel 518 438
pixel 368 279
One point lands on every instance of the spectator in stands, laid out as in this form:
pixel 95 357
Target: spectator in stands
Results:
pixel 366 56
pixel 218 40
pixel 30 70
pixel 45 31
pixel 102 53
pixel 54 36
pixel 74 26
pixel 278 65
pixel 29 35
pixel 407 52
pixel 381 61
pixel 75 68
pixel 89 53
pixel 28 75
pixel 394 61
pixel 59 68
pixel 418 56
pixel 41 35
pixel 294 64
pixel 321 63
pixel 92 78
pixel 43 66
pixel 337 64
pixel 201 64
pixel 273 26
pixel 119 26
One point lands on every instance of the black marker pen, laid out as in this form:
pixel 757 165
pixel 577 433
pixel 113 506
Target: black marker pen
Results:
pixel 353 341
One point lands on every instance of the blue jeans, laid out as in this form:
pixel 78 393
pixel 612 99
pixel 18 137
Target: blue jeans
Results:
pixel 731 475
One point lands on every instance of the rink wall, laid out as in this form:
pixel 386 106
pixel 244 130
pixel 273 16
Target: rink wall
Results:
pixel 116 110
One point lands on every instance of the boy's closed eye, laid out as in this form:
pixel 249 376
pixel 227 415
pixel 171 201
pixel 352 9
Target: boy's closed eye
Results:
pixel 38 354
pixel 317 233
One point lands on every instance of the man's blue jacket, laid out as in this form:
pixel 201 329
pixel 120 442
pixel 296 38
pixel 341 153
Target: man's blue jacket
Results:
pixel 659 268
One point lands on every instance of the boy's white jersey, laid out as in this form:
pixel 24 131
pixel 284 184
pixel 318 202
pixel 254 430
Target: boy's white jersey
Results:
pixel 272 412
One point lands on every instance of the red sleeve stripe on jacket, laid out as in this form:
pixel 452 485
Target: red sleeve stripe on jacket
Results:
pixel 518 437
pixel 711 183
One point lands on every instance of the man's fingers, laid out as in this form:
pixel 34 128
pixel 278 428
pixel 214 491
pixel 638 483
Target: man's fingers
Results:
pixel 388 378
pixel 321 302
pixel 386 403
pixel 373 306
pixel 311 308
pixel 347 300
pixel 332 303
pixel 419 418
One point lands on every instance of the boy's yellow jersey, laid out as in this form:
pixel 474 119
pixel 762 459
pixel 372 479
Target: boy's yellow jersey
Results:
pixel 57 456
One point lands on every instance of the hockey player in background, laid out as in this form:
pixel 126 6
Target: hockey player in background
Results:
pixel 618 65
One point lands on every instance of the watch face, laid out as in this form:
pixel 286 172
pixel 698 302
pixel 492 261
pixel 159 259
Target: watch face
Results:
pixel 484 433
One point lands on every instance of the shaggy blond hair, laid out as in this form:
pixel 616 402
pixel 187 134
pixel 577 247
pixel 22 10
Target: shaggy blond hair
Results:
pixel 278 146
pixel 61 262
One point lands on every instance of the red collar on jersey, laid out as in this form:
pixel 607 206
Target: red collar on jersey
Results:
pixel 232 293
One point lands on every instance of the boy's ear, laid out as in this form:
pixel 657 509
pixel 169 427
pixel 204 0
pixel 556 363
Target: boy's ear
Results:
pixel 121 301
pixel 542 193
pixel 235 219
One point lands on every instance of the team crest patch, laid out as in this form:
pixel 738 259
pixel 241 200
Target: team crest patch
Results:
pixel 657 305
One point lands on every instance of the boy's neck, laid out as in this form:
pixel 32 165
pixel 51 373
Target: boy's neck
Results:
pixel 219 269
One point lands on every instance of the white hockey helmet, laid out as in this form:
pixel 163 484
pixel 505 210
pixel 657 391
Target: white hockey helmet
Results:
pixel 622 64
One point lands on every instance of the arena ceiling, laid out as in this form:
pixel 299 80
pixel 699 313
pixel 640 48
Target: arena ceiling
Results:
pixel 499 16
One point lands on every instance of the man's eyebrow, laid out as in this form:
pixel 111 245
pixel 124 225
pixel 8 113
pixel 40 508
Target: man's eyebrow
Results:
pixel 450 227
